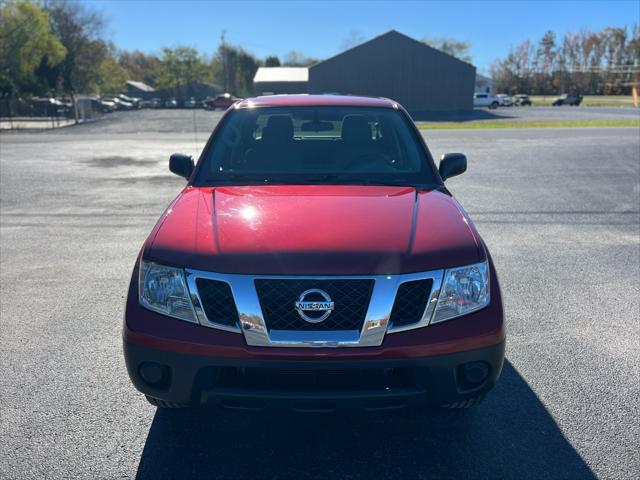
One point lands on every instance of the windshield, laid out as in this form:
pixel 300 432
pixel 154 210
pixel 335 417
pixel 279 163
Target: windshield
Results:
pixel 323 144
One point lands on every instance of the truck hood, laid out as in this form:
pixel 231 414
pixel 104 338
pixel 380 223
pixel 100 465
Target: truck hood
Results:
pixel 314 230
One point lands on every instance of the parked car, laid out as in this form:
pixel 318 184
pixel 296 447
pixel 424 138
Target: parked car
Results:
pixel 282 277
pixel 191 103
pixel 119 103
pixel 485 100
pixel 522 100
pixel 573 99
pixel 51 106
pixel 170 103
pixel 223 101
pixel 504 100
pixel 132 100
pixel 105 106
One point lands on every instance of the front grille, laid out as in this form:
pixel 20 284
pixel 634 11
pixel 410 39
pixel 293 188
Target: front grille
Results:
pixel 278 297
pixel 411 302
pixel 217 301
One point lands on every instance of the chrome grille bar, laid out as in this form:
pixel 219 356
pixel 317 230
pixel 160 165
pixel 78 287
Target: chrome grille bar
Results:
pixel 375 326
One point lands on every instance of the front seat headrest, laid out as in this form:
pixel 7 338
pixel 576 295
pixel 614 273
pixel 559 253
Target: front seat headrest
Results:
pixel 279 129
pixel 356 130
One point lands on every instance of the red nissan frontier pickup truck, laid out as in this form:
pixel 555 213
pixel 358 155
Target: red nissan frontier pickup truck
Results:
pixel 315 261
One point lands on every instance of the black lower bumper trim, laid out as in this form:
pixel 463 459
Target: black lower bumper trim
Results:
pixel 313 386
pixel 302 401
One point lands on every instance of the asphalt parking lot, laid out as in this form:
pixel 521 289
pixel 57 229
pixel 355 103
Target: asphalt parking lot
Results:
pixel 559 209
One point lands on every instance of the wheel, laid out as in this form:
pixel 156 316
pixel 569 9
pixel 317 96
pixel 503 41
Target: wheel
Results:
pixel 493 106
pixel 156 402
pixel 464 404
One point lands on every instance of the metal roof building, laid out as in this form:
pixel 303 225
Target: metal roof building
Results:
pixel 139 89
pixel 399 67
pixel 277 80
pixel 139 86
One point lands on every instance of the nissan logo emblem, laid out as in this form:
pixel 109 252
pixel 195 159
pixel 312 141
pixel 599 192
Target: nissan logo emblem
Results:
pixel 314 300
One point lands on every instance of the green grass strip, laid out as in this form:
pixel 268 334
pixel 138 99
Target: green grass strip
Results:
pixel 526 124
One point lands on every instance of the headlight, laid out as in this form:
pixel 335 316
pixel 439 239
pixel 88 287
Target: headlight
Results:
pixel 164 290
pixel 464 290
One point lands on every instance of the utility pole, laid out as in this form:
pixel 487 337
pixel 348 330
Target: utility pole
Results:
pixel 634 88
pixel 74 104
pixel 224 60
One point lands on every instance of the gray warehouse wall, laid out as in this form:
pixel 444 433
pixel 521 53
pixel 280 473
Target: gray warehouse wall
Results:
pixel 393 65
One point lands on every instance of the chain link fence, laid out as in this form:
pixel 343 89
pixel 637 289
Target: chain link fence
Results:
pixel 48 112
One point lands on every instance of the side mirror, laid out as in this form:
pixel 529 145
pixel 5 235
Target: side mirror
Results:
pixel 181 165
pixel 452 164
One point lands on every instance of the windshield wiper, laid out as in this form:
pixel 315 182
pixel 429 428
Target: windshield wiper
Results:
pixel 238 177
pixel 251 179
pixel 350 180
pixel 330 179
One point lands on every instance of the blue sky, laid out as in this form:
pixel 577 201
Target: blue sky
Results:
pixel 319 29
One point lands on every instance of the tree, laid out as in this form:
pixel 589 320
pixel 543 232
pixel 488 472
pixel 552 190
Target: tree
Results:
pixel 139 66
pixel 234 69
pixel 179 66
pixel 545 61
pixel 593 50
pixel 112 76
pixel 78 29
pixel 456 48
pixel 592 63
pixel 298 59
pixel 614 55
pixel 354 39
pixel 26 40
pixel 632 54
pixel 272 61
pixel 514 74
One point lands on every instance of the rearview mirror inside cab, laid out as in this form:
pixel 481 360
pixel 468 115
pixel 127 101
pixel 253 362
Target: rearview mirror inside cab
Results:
pixel 181 165
pixel 452 164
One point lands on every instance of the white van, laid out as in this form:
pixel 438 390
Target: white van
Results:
pixel 485 100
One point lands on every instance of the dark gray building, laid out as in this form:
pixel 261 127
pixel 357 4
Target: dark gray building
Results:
pixel 393 65
pixel 277 80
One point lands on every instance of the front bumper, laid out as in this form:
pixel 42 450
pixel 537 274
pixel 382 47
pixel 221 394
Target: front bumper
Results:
pixel 203 366
pixel 311 385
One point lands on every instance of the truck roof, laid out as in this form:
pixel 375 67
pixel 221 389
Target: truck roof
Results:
pixel 315 100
